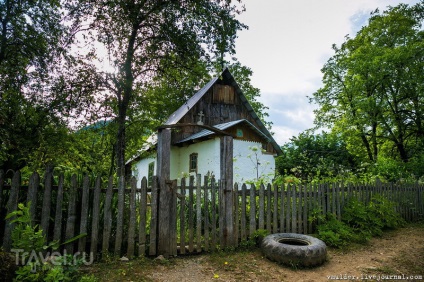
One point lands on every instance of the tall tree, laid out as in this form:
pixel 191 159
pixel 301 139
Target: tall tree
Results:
pixel 30 33
pixel 373 85
pixel 140 35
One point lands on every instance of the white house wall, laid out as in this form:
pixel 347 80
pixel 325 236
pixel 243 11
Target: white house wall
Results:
pixel 248 163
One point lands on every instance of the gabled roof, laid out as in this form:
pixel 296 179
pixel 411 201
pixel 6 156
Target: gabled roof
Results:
pixel 175 117
pixel 223 126
pixel 227 77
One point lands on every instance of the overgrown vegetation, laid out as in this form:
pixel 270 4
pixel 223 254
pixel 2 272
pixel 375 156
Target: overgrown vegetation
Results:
pixel 33 252
pixel 359 222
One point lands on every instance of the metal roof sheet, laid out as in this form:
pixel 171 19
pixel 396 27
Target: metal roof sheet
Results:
pixel 223 126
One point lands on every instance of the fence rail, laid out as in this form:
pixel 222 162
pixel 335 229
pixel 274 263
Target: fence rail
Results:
pixel 124 221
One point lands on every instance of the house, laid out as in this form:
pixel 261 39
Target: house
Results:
pixel 219 108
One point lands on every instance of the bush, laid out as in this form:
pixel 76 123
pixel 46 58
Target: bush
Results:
pixel 30 243
pixel 359 222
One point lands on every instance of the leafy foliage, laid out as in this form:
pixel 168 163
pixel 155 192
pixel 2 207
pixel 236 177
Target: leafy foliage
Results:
pixel 373 88
pixel 29 240
pixel 359 222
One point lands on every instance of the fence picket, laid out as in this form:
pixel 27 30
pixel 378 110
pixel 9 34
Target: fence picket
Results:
pixel 57 231
pixel 206 209
pixel 95 217
pixel 143 218
pixel 12 205
pixel 107 218
pixel 132 223
pixel 45 212
pixel 275 210
pixel 70 222
pixel 243 229
pixel 34 183
pixel 198 214
pixel 190 215
pixel 261 206
pixel 268 208
pixel 84 213
pixel 252 202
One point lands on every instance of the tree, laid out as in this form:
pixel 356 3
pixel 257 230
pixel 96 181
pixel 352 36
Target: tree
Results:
pixel 315 156
pixel 142 38
pixel 373 85
pixel 30 33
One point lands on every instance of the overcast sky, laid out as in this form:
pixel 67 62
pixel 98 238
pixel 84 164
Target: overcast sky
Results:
pixel 287 44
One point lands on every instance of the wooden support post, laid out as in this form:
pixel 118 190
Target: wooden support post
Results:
pixel 226 158
pixel 165 217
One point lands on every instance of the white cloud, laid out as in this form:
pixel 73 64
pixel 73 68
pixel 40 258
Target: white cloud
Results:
pixel 286 46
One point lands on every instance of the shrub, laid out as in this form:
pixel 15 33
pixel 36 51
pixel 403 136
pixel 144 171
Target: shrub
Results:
pixel 359 222
pixel 30 243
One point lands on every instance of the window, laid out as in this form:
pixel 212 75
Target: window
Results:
pixel 193 162
pixel 150 174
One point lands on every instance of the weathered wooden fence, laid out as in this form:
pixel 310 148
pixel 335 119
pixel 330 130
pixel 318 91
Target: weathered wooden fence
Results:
pixel 124 221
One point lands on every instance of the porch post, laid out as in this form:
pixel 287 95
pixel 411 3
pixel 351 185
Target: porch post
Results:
pixel 226 160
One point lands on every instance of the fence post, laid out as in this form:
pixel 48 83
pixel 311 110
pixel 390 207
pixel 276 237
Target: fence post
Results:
pixel 226 159
pixel 165 192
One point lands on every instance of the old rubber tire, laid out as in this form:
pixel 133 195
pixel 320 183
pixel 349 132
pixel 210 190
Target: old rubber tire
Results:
pixel 294 249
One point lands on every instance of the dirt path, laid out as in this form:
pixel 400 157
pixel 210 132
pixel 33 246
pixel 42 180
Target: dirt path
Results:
pixel 396 255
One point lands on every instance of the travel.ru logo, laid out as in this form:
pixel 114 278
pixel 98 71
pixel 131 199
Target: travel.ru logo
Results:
pixel 55 258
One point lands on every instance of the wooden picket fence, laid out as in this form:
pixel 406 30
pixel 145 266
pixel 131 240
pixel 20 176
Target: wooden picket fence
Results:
pixel 124 221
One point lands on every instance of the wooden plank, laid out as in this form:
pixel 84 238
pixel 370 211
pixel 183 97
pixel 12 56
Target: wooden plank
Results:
pixel 1 187
pixel 84 213
pixel 207 213
pixel 268 208
pixel 132 222
pixel 143 218
pixel 310 207
pixel 70 222
pixel 198 213
pixel 34 183
pixel 95 218
pixel 226 160
pixel 165 192
pixel 294 209
pixel 154 217
pixel 305 209
pixel 252 222
pixel 243 229
pixel 282 208
pixel 236 215
pixel 261 206
pixel 182 218
pixel 57 231
pixel 120 216
pixel 275 210
pixel 11 206
pixel 338 202
pixel 107 218
pixel 288 208
pixel 299 208
pixel 45 211
pixel 191 215
pixel 333 198
pixel 213 207
pixel 173 218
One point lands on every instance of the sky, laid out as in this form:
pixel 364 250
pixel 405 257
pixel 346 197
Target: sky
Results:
pixel 287 44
